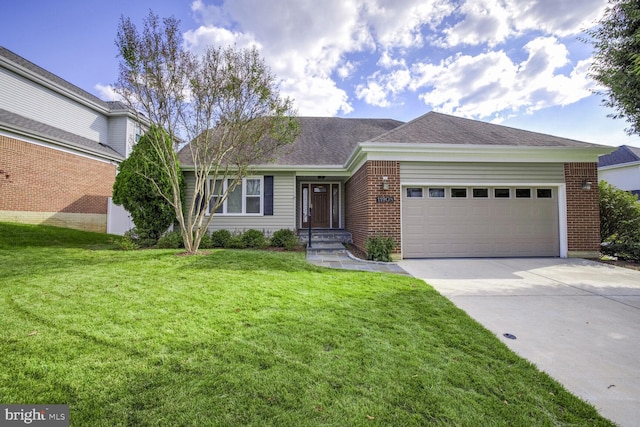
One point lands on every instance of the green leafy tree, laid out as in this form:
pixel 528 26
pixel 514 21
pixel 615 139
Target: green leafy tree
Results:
pixel 141 184
pixel 619 215
pixel 225 103
pixel 616 65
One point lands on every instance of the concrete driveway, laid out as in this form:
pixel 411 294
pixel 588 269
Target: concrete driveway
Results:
pixel 577 320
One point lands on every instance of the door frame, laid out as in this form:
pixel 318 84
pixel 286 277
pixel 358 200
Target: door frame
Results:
pixel 303 204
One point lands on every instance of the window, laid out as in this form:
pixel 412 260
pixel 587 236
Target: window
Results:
pixel 544 193
pixel 458 193
pixel 480 193
pixel 523 193
pixel 246 197
pixel 501 193
pixel 436 193
pixel 414 192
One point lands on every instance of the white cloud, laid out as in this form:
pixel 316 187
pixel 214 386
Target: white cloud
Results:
pixel 107 93
pixel 308 45
pixel 491 85
pixel 492 22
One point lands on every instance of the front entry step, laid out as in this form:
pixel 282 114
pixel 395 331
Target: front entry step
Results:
pixel 324 236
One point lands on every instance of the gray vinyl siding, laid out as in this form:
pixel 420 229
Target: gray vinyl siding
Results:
pixel 118 135
pixel 36 102
pixel 283 208
pixel 451 173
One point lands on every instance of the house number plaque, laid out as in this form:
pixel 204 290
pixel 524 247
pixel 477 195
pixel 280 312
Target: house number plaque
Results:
pixel 385 199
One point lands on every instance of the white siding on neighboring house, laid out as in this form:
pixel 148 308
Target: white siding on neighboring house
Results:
pixel 36 102
pixel 284 185
pixel 624 177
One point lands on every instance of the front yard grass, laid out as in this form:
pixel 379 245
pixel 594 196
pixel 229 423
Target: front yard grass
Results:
pixel 248 338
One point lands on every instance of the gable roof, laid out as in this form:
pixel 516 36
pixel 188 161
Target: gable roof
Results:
pixel 438 128
pixel 624 154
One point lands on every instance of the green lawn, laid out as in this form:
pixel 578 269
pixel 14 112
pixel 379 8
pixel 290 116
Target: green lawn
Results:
pixel 248 338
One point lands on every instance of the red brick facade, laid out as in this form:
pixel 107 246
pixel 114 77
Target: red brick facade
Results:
pixel 583 211
pixel 371 210
pixel 40 179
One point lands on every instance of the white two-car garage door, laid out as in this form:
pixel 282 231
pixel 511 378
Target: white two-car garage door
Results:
pixel 479 221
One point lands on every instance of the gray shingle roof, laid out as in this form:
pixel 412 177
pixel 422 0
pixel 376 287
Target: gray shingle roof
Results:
pixel 438 128
pixel 330 140
pixel 324 141
pixel 19 123
pixel 624 154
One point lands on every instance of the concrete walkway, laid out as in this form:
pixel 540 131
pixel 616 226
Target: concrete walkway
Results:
pixel 334 255
pixel 577 320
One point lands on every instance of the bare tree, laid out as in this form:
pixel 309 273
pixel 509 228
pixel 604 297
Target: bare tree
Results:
pixel 222 109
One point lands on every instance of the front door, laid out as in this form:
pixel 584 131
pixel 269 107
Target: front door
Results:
pixel 318 197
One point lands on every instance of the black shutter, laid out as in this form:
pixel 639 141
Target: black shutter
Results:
pixel 268 195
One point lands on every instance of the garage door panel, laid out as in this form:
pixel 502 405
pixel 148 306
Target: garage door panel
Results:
pixel 480 227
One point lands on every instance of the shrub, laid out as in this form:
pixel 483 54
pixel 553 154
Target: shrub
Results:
pixel 379 248
pixel 171 240
pixel 625 251
pixel 126 244
pixel 285 238
pixel 253 239
pixel 206 242
pixel 235 242
pixel 143 238
pixel 220 238
pixel 619 215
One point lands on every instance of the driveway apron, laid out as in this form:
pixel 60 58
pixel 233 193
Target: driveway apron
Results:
pixel 577 320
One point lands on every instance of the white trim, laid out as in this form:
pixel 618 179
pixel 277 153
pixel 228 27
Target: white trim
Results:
pixel 562 221
pixel 619 166
pixel 471 153
pixel 243 188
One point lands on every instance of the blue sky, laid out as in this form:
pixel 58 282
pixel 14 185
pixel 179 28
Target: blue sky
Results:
pixel 510 62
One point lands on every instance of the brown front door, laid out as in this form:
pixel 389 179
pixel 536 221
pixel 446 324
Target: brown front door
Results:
pixel 318 196
pixel 320 207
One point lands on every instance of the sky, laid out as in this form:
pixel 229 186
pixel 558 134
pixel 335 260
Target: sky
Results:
pixel 519 63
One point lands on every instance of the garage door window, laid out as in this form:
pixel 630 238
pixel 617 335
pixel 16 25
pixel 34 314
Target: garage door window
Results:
pixel 523 193
pixel 414 192
pixel 480 193
pixel 436 193
pixel 544 193
pixel 501 193
pixel 459 193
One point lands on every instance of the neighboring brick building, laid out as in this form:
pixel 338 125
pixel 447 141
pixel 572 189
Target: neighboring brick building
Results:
pixel 59 148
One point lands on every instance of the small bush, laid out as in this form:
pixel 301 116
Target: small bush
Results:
pixel 624 251
pixel 220 238
pixel 171 240
pixel 379 248
pixel 235 242
pixel 141 237
pixel 254 239
pixel 126 244
pixel 206 242
pixel 285 238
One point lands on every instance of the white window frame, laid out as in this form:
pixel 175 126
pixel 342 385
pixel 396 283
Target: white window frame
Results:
pixel 243 188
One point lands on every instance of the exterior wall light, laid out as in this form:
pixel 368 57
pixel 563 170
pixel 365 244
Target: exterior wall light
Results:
pixel 586 184
pixel 385 182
